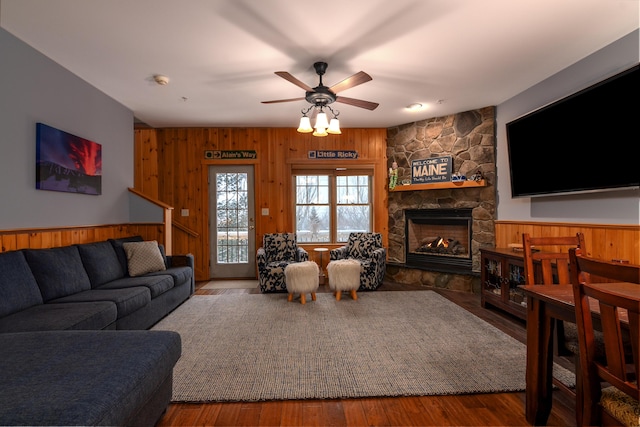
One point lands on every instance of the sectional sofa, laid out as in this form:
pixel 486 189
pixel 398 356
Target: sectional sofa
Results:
pixel 74 344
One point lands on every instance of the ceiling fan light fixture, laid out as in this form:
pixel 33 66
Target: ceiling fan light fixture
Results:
pixel 305 125
pixel 321 121
pixel 334 127
pixel 320 132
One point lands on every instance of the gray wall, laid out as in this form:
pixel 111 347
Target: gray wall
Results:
pixel 34 89
pixel 613 207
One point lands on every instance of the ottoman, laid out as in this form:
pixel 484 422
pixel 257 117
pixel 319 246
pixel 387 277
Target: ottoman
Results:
pixel 344 275
pixel 301 278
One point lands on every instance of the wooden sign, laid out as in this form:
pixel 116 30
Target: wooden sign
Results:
pixel 332 154
pixel 431 170
pixel 230 154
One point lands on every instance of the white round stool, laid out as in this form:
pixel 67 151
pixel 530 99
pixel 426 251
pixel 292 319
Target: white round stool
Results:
pixel 301 278
pixel 344 275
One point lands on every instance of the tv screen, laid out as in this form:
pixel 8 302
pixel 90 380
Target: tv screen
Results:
pixel 584 142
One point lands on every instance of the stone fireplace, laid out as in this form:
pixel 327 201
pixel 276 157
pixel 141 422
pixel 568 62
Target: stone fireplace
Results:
pixel 439 239
pixel 469 213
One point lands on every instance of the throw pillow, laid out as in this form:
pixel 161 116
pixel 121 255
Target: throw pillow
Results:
pixel 143 257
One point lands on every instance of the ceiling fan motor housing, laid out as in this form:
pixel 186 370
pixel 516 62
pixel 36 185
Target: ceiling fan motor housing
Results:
pixel 321 95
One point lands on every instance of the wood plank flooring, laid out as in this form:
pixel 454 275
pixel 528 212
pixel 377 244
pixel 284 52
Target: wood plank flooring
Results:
pixel 498 409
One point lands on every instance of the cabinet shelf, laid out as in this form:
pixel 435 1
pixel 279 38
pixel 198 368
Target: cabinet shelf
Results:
pixel 441 185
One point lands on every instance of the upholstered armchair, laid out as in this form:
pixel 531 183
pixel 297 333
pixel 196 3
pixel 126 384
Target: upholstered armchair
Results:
pixel 278 250
pixel 367 249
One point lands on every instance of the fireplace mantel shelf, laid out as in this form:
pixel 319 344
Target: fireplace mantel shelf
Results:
pixel 441 185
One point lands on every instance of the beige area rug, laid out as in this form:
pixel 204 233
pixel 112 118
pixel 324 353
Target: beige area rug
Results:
pixel 254 347
pixel 231 284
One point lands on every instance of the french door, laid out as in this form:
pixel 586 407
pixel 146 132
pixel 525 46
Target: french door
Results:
pixel 232 223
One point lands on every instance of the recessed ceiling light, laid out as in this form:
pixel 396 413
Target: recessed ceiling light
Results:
pixel 414 107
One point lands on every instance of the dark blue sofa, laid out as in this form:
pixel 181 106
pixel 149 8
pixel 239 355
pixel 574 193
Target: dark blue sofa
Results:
pixel 87 286
pixel 74 349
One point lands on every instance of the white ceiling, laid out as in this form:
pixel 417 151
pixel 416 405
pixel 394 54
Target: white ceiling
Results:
pixel 221 55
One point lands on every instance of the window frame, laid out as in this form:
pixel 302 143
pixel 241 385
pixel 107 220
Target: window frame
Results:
pixel 332 174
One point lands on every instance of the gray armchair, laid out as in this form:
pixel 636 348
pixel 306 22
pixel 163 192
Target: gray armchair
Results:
pixel 278 250
pixel 367 249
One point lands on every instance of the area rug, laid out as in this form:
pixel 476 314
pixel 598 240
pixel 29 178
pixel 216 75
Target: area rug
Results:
pixel 231 284
pixel 254 347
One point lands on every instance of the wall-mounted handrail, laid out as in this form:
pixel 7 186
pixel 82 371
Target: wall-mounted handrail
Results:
pixel 187 230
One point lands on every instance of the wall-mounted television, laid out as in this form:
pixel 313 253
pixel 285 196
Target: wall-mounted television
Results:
pixel 582 143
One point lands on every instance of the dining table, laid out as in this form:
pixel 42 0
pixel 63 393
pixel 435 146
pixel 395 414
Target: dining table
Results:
pixel 545 305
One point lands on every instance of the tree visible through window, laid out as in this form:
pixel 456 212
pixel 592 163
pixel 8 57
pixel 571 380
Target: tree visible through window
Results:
pixel 329 207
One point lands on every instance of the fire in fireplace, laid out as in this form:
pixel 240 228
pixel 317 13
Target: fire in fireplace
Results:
pixel 439 239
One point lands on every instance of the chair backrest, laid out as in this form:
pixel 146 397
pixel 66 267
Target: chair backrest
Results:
pixel 615 370
pixel 361 245
pixel 552 255
pixel 280 246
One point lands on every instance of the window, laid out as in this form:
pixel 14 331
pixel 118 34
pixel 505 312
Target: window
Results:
pixel 331 204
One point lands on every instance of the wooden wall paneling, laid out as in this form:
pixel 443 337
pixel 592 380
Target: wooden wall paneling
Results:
pixel 603 241
pixel 146 162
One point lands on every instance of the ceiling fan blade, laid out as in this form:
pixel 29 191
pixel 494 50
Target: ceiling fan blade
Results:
pixel 287 76
pixel 349 82
pixel 358 103
pixel 282 100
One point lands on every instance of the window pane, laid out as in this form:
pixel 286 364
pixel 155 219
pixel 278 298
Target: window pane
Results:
pixel 312 223
pixel 352 219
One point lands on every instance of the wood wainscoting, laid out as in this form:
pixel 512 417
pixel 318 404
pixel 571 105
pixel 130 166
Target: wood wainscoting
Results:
pixel 38 238
pixel 603 241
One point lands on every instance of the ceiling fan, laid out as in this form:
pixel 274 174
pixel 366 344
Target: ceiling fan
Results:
pixel 321 95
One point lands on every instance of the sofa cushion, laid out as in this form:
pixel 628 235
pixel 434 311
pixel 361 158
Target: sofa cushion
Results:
pixel 143 257
pixel 180 274
pixel 18 287
pixel 58 271
pixel 101 262
pixel 122 256
pixel 84 377
pixel 157 284
pixel 127 300
pixel 58 317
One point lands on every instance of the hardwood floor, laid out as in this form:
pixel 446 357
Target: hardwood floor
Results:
pixel 498 409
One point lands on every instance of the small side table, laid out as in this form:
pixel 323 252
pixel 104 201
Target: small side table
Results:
pixel 321 251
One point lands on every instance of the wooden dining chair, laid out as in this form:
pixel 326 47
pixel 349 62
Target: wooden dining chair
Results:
pixel 546 262
pixel 617 403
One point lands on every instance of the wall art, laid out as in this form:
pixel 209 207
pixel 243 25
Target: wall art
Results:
pixel 66 162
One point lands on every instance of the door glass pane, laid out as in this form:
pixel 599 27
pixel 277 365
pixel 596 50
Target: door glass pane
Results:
pixel 232 217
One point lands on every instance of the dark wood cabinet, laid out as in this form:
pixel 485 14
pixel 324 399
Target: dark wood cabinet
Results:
pixel 502 271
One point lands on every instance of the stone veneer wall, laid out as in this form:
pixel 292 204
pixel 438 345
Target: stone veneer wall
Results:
pixel 469 137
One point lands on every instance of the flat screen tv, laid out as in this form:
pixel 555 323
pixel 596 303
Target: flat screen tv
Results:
pixel 582 143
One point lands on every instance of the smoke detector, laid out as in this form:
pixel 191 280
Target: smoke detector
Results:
pixel 161 80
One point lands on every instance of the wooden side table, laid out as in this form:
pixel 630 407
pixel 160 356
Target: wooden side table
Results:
pixel 321 251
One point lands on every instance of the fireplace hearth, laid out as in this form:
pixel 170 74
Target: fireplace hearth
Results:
pixel 439 239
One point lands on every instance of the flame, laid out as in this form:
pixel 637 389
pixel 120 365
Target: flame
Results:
pixel 442 243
